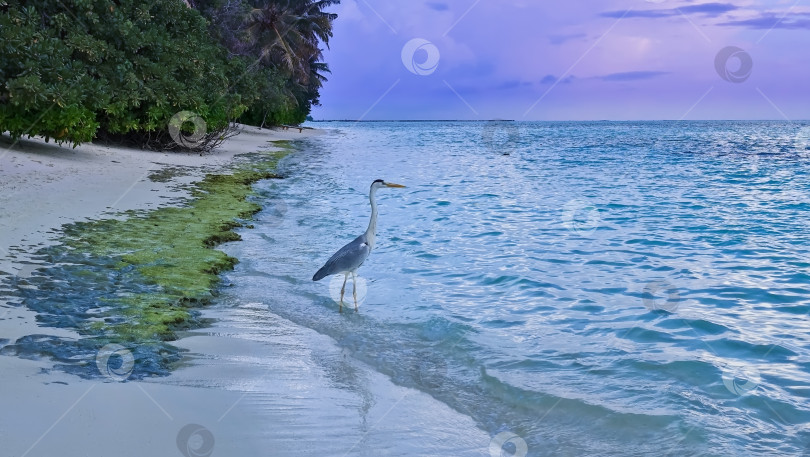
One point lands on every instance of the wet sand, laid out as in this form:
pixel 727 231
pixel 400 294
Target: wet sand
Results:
pixel 254 384
pixel 290 392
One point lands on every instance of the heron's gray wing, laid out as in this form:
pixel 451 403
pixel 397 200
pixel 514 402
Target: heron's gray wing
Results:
pixel 347 258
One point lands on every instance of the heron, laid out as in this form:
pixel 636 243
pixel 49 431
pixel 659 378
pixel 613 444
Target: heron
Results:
pixel 349 258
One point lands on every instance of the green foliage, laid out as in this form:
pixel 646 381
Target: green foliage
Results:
pixel 75 70
pixel 265 93
pixel 282 38
pixel 43 91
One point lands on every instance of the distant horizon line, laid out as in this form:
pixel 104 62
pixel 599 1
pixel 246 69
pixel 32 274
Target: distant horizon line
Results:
pixel 561 120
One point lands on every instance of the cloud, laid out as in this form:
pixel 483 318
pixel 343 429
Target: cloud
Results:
pixel 477 69
pixel 707 9
pixel 437 6
pixel 551 79
pixel 560 39
pixel 513 84
pixel 632 76
pixel 537 42
pixel 770 21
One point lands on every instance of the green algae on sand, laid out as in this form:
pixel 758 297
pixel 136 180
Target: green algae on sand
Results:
pixel 136 280
pixel 172 248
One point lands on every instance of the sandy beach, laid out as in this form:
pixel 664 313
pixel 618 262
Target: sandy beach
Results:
pixel 273 407
pixel 44 185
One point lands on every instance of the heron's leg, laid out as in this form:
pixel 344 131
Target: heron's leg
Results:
pixel 354 289
pixel 342 290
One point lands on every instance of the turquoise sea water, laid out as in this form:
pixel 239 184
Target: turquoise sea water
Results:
pixel 552 289
pixel 593 288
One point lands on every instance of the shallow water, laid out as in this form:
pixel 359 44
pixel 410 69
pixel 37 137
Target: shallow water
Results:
pixel 593 288
pixel 583 288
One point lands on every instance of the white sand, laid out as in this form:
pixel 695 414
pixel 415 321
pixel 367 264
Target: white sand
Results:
pixel 43 186
pixel 257 398
pixel 260 396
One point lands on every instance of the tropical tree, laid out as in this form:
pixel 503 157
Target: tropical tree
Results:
pixel 280 41
pixel 287 34
pixel 317 78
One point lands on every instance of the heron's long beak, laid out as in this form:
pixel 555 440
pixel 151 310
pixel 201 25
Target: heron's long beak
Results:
pixel 390 184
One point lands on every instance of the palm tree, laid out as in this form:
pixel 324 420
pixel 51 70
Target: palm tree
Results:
pixel 287 33
pixel 316 80
pixel 316 72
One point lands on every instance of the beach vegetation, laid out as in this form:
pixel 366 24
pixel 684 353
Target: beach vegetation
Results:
pixel 185 268
pixel 81 70
pixel 281 39
pixel 139 279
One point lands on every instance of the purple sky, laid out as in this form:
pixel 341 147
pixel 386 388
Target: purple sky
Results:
pixel 569 60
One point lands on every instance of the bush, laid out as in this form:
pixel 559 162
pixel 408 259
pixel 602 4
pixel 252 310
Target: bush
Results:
pixel 73 70
pixel 273 103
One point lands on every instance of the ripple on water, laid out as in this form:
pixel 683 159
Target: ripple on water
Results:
pixel 517 289
pixel 537 285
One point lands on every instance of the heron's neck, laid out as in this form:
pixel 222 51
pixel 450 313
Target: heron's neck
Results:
pixel 371 232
